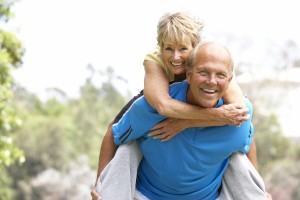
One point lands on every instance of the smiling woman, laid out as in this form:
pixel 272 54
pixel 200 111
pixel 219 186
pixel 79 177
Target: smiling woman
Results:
pixel 95 35
pixel 62 37
pixel 60 41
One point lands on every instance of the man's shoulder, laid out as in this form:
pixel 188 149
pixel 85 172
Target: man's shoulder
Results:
pixel 178 90
pixel 248 104
pixel 174 85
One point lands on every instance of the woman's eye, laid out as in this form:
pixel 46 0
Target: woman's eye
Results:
pixel 184 49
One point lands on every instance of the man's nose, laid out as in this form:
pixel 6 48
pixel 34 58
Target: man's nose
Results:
pixel 211 80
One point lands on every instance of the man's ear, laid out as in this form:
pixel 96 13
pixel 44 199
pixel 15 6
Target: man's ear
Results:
pixel 188 75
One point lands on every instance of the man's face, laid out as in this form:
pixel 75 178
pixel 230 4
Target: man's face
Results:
pixel 209 78
pixel 176 56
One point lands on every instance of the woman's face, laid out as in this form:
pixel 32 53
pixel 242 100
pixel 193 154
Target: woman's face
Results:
pixel 176 56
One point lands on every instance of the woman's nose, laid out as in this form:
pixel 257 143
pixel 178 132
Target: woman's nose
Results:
pixel 177 54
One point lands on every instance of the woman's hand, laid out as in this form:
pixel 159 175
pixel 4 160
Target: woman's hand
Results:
pixel 233 114
pixel 167 129
pixel 230 114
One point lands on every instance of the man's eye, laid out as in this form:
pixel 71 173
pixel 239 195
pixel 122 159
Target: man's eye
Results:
pixel 222 75
pixel 202 73
pixel 168 49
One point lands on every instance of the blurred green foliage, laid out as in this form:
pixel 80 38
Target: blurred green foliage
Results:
pixel 11 52
pixel 54 133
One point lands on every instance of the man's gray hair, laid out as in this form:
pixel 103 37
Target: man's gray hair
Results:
pixel 202 44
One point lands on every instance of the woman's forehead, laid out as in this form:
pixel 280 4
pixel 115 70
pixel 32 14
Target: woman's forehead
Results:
pixel 177 42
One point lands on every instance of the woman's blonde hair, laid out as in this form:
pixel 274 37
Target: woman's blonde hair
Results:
pixel 179 28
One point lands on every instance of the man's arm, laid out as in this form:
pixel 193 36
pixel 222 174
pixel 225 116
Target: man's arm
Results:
pixel 252 155
pixel 130 127
pixel 107 150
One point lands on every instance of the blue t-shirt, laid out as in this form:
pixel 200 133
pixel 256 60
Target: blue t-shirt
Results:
pixel 190 165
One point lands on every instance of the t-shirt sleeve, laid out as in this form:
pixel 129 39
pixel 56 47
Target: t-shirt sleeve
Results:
pixel 248 127
pixel 136 122
pixel 245 149
pixel 155 57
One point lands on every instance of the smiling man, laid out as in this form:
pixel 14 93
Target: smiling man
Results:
pixel 192 164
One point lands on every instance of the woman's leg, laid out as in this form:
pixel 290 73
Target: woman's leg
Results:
pixel 117 180
pixel 241 181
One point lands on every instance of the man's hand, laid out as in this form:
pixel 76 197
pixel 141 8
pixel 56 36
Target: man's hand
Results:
pixel 269 197
pixel 233 114
pixel 95 195
pixel 167 129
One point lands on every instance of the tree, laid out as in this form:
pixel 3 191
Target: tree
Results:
pixel 271 143
pixel 58 132
pixel 11 52
pixel 44 138
pixel 93 111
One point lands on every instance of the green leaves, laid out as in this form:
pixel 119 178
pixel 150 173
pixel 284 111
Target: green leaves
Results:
pixel 11 49
pixel 9 153
pixel 11 52
pixel 5 6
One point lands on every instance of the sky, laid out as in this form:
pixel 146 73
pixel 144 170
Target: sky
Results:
pixel 62 37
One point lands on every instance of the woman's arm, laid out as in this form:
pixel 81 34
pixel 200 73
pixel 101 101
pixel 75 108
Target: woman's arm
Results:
pixel 234 94
pixel 156 91
pixel 170 127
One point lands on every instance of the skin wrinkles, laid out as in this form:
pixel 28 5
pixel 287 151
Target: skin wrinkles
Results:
pixel 212 73
pixel 176 56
